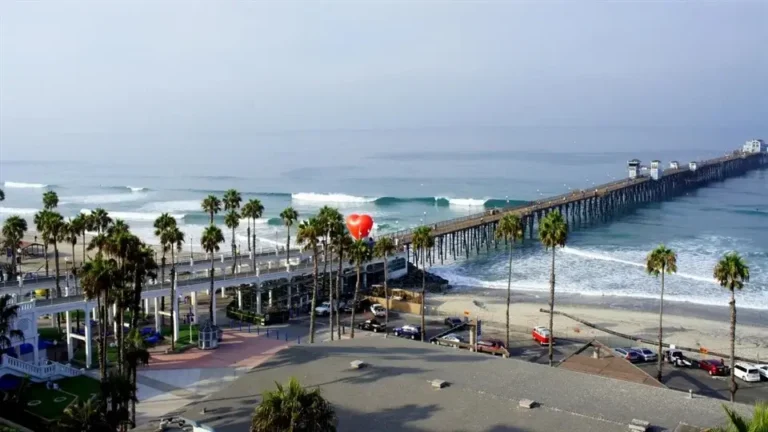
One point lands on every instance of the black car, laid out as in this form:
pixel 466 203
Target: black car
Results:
pixel 372 325
pixel 452 322
pixel 408 331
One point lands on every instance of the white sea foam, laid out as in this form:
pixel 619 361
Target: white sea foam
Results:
pixel 309 197
pixel 603 257
pixel 10 211
pixel 20 185
pixel 136 189
pixel 466 202
pixel 172 206
pixel 102 199
pixel 136 216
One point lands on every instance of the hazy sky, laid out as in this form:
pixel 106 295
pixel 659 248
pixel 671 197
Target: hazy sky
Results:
pixel 92 76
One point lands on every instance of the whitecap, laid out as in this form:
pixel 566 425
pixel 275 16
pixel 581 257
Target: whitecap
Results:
pixel 18 211
pixel 101 199
pixel 136 216
pixel 309 197
pixel 20 185
pixel 466 202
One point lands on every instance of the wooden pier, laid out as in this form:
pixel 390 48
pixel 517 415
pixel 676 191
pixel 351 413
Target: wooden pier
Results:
pixel 458 237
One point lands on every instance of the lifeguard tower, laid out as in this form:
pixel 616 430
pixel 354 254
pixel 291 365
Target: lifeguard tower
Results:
pixel 692 166
pixel 634 168
pixel 674 165
pixel 656 169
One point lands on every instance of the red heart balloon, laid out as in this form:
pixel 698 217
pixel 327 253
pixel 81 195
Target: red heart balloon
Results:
pixel 359 225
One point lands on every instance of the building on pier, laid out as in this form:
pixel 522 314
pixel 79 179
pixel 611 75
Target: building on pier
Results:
pixel 692 166
pixel 674 165
pixel 755 146
pixel 634 168
pixel 656 169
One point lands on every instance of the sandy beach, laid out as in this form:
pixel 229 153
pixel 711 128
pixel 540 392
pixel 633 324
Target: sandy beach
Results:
pixel 684 324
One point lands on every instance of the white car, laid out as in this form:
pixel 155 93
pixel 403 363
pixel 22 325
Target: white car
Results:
pixel 763 369
pixel 452 338
pixel 378 310
pixel 325 308
pixel 746 372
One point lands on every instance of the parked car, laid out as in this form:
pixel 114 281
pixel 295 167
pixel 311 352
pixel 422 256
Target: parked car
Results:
pixel 541 335
pixel 347 308
pixel 378 310
pixel 627 354
pixel 452 322
pixel 491 346
pixel 324 309
pixel 746 372
pixel 714 367
pixel 763 369
pixel 671 354
pixel 646 354
pixel 451 339
pixel 408 331
pixel 372 325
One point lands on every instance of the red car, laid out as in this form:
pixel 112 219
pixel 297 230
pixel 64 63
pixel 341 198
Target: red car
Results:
pixel 490 346
pixel 541 335
pixel 714 367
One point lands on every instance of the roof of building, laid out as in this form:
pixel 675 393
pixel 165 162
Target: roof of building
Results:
pixel 394 393
pixel 607 365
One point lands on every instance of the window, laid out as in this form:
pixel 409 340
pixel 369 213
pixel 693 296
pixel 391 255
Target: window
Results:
pixel 739 368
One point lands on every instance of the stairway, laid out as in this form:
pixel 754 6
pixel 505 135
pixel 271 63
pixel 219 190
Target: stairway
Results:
pixel 36 373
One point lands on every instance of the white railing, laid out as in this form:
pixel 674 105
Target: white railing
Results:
pixel 39 372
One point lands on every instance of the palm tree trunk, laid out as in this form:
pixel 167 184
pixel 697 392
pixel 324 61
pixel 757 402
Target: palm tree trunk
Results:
pixel 249 235
pixel 162 281
pixel 330 286
pixel 45 249
pixel 234 252
pixel 288 266
pixel 133 400
pixel 120 340
pixel 552 308
pixel 338 293
pixel 84 251
pixel 314 299
pixel 58 284
pixel 102 366
pixel 733 344
pixel 213 293
pixel 661 314
pixel 423 293
pixel 173 294
pixel 509 292
pixel 386 298
pixel 354 301
pixel 254 244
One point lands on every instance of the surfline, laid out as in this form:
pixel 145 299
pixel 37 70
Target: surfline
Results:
pixel 136 216
pixel 20 185
pixel 18 211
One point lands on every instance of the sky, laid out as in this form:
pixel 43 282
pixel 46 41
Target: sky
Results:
pixel 118 79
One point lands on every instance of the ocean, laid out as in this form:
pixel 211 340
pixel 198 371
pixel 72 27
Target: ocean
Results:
pixel 405 178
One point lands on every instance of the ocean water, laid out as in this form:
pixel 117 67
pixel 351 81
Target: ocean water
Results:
pixel 405 178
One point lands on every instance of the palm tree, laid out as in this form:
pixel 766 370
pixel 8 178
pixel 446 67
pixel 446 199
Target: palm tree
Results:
pixel 211 205
pixel 510 228
pixel 40 219
pixel 293 409
pixel 50 200
pixel 136 354
pixel 423 241
pixel 78 225
pixel 2 195
pixel 359 254
pixel 174 238
pixel 289 217
pixel 328 217
pixel 732 273
pixel 210 240
pixel 252 210
pixel 118 391
pixel 54 232
pixel 383 248
pixel 97 277
pixel 553 232
pixel 8 313
pixel 660 261
pixel 162 225
pixel 737 423
pixel 83 416
pixel 341 242
pixel 13 231
pixel 308 235
pixel 232 200
pixel 232 220
pixel 100 220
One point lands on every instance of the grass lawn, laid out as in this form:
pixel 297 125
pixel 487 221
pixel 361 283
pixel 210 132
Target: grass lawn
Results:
pixel 184 331
pixel 51 333
pixel 54 402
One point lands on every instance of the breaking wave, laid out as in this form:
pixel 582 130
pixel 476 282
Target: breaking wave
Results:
pixel 388 200
pixel 20 185
pixel 136 216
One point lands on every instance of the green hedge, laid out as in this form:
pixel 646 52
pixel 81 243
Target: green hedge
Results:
pixel 272 317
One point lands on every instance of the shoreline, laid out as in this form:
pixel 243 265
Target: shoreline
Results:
pixel 685 324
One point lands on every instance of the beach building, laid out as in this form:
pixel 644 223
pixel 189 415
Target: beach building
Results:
pixel 656 170
pixel 755 146
pixel 692 166
pixel 634 168
pixel 674 165
pixel 410 386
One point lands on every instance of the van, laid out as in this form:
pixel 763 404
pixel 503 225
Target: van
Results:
pixel 746 372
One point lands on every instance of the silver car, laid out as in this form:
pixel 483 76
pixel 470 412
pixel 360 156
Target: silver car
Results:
pixel 645 354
